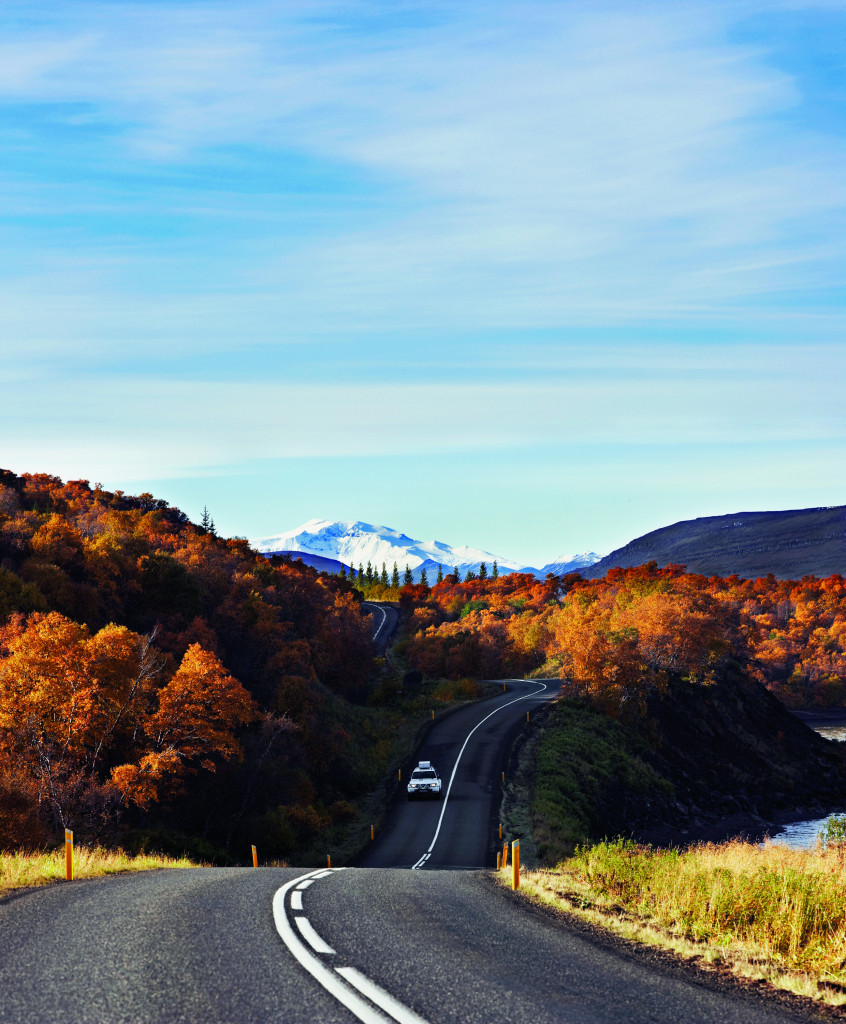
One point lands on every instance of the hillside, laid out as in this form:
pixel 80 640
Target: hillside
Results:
pixel 790 545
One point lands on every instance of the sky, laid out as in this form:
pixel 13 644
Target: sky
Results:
pixel 537 277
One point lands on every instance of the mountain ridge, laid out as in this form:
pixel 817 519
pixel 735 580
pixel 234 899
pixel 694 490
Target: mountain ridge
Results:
pixel 354 543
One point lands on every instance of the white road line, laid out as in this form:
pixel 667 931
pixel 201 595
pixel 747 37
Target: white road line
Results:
pixel 312 938
pixel 322 874
pixel 296 899
pixel 379 996
pixel 306 883
pixel 329 979
pixel 384 618
pixel 419 864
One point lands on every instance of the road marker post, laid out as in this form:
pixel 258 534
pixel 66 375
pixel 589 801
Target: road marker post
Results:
pixel 255 857
pixel 527 716
pixel 498 860
pixel 503 687
pixel 68 855
pixel 505 855
pixel 503 778
pixel 433 714
pixel 515 864
pixel 399 774
pixel 372 832
pixel 500 830
pixel 328 860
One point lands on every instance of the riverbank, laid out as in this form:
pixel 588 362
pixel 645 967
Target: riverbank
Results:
pixel 774 915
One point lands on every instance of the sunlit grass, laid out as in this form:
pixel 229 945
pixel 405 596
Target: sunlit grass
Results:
pixel 21 869
pixel 764 912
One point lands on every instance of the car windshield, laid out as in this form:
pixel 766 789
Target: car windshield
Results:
pixel 426 773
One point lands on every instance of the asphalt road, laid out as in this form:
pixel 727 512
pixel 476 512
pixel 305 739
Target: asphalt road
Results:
pixel 439 946
pixel 375 943
pixel 463 818
pixel 385 621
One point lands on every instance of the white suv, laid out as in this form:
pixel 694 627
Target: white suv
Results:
pixel 424 781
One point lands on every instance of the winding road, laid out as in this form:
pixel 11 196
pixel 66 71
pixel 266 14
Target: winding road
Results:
pixel 375 943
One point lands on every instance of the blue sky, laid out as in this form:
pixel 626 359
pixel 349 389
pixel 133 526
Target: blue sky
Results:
pixel 535 277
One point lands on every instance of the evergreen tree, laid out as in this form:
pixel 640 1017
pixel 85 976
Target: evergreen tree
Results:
pixel 495 573
pixel 440 578
pixel 342 572
pixel 206 521
pixel 395 577
pixel 409 579
pixel 369 574
pixel 384 578
pixel 483 571
pixel 360 574
pixel 470 576
pixel 455 579
pixel 424 579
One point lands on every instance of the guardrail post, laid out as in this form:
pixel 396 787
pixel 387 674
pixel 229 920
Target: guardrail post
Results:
pixel 255 857
pixel 68 855
pixel 515 864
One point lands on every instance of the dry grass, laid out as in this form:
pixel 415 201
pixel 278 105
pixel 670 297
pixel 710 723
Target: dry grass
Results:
pixel 20 870
pixel 767 913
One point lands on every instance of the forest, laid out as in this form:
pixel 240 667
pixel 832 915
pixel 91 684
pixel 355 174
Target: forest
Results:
pixel 162 687
pixel 157 680
pixel 619 637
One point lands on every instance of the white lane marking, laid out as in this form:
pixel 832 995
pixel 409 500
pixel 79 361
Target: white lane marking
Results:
pixel 379 996
pixel 306 883
pixel 331 981
pixel 296 899
pixel 384 618
pixel 312 938
pixel 322 874
pixel 419 864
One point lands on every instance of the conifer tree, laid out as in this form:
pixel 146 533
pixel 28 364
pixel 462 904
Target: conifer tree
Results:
pixel 369 574
pixel 360 574
pixel 495 573
pixel 342 572
pixel 424 579
pixel 470 576
pixel 384 577
pixel 409 579
pixel 483 571
pixel 440 578
pixel 395 577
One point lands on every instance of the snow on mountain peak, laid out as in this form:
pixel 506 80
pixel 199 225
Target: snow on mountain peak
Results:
pixel 357 543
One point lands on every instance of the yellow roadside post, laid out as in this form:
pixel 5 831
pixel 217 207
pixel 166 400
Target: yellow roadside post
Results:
pixel 433 714
pixel 527 716
pixel 372 832
pixel 515 864
pixel 255 857
pixel 503 778
pixel 328 860
pixel 498 860
pixel 500 830
pixel 505 855
pixel 503 687
pixel 68 855
pixel 399 774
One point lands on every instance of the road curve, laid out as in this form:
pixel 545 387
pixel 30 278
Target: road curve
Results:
pixel 480 734
pixel 443 947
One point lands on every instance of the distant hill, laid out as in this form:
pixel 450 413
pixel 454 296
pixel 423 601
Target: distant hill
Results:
pixel 792 544
pixel 315 561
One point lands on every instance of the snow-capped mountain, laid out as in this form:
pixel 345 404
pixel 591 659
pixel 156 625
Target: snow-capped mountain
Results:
pixel 570 563
pixel 357 543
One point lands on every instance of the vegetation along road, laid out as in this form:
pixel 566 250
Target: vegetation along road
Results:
pixel 373 943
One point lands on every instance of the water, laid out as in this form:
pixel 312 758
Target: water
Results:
pixel 803 835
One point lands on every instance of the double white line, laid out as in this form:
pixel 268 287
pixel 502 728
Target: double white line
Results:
pixel 346 984
pixel 420 863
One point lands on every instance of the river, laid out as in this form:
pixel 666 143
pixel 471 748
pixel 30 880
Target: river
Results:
pixel 831 723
